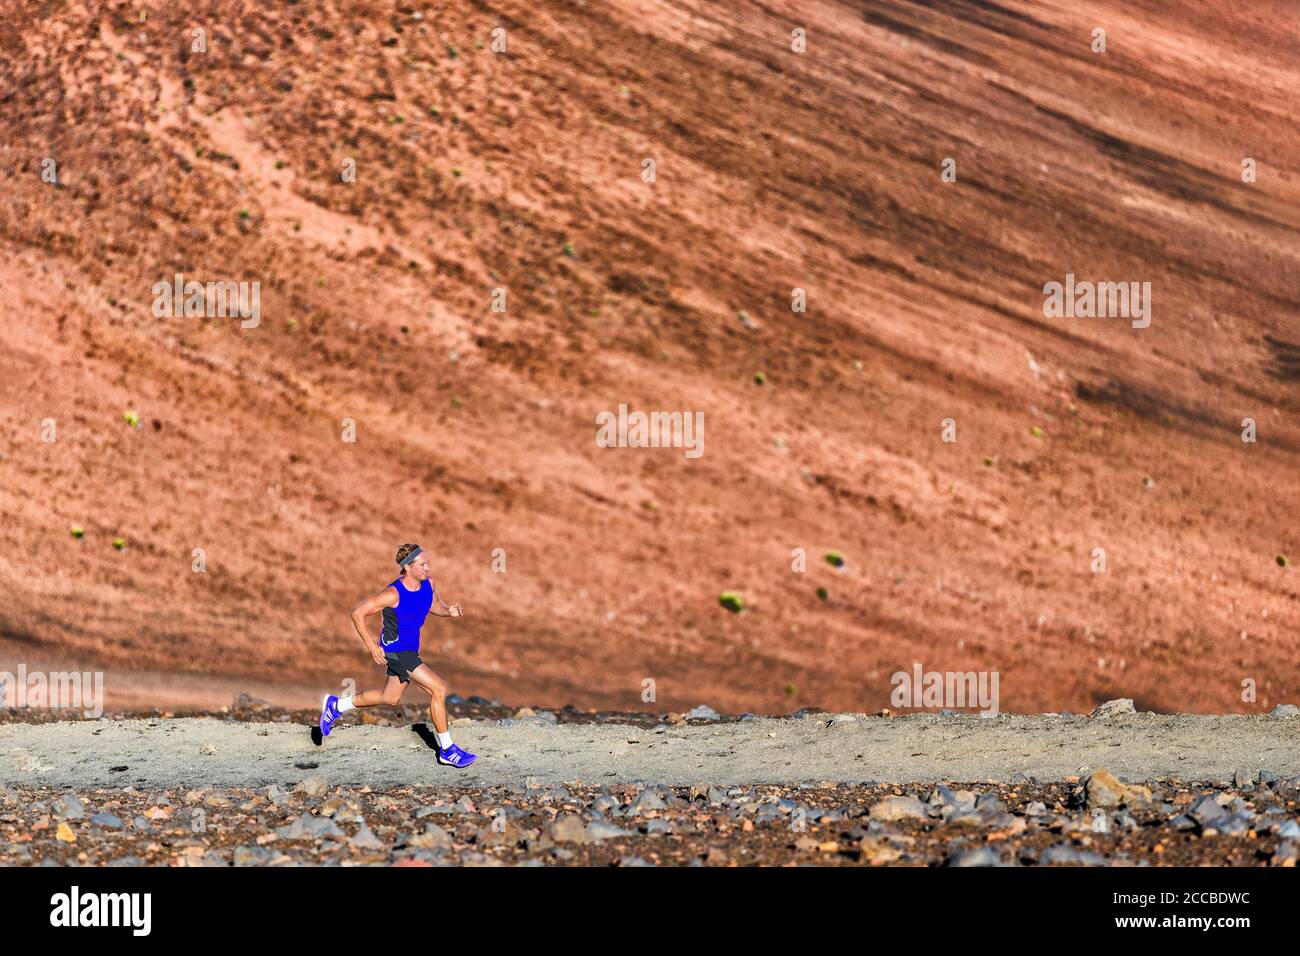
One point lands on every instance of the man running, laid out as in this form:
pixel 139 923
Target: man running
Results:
pixel 405 604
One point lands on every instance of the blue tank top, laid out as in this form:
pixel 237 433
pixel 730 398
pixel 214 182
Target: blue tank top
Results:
pixel 402 623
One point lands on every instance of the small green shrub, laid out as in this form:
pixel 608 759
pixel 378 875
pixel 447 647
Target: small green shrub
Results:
pixel 731 601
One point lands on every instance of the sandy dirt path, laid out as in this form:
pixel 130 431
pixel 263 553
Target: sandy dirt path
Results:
pixel 824 747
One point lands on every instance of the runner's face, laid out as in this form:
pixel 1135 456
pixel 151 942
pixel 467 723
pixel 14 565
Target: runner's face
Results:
pixel 419 568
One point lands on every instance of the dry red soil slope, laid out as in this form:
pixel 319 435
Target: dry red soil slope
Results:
pixel 475 430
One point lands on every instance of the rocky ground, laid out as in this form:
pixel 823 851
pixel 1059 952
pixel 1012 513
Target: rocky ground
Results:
pixel 248 709
pixel 372 796
pixel 1245 822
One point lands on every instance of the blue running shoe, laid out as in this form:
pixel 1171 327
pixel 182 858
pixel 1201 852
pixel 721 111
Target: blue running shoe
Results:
pixel 329 712
pixel 453 756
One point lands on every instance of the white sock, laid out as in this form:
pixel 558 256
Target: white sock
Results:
pixel 345 703
pixel 444 740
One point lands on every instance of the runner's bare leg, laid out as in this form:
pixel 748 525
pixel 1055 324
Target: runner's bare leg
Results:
pixel 391 694
pixel 437 689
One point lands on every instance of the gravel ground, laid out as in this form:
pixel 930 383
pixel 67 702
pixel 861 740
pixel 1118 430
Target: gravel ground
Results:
pixel 816 747
pixel 255 786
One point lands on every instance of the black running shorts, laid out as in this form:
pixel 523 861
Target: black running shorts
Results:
pixel 401 663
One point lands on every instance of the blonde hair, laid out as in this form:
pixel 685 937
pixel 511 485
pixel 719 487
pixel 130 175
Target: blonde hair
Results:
pixel 403 553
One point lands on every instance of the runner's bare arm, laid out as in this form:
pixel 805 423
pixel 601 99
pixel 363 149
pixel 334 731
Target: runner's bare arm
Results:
pixel 454 610
pixel 372 605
